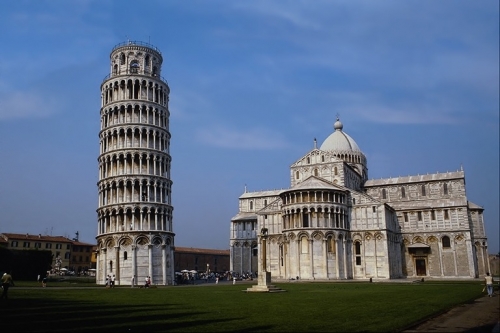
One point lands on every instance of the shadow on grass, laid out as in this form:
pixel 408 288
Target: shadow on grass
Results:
pixel 38 315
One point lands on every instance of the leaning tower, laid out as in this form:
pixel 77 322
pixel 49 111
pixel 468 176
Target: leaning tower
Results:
pixel 135 238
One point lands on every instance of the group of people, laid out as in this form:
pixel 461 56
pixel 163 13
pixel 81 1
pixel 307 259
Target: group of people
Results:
pixel 147 282
pixel 110 281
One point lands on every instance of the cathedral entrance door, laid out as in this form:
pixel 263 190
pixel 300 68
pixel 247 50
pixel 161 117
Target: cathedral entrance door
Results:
pixel 420 265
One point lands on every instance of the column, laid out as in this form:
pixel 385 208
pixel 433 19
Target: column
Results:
pixel 150 261
pixel 134 263
pixel 117 264
pixel 164 263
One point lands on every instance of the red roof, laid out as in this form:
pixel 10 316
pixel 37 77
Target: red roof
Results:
pixel 40 237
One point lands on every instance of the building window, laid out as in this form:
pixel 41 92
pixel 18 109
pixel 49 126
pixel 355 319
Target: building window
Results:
pixel 134 67
pixel 26 244
pixel 316 172
pixel 308 160
pixel 446 214
pixel 254 251
pixel 296 175
pixel 405 215
pixel 445 189
pixel 335 171
pixel 305 220
pixel 353 201
pixel 58 246
pixel 403 193
pixel 265 202
pixel 48 245
pixel 122 59
pixel 38 245
pixel 125 255
pixel 374 209
pixel 68 246
pixel 433 215
pixel 244 226
pixel 384 194
pixel 251 205
pixel 66 255
pixel 357 252
pixel 419 214
pixel 13 244
pixel 304 245
pixel 331 245
pixel 423 190
pixel 322 158
pixel 446 242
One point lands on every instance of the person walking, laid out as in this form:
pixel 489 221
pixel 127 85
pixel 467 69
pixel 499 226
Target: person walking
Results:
pixel 489 284
pixel 6 282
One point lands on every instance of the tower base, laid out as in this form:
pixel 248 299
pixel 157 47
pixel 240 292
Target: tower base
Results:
pixel 264 285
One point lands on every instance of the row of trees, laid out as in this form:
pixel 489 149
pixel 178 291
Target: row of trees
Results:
pixel 25 264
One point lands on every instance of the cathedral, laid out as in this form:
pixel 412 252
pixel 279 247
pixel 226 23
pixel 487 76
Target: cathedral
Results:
pixel 334 223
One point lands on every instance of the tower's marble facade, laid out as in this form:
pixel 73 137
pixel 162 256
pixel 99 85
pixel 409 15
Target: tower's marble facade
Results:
pixel 135 238
pixel 335 223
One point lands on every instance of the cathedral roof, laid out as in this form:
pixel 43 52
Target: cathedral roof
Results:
pixel 339 140
pixel 316 183
pixel 415 179
pixel 244 217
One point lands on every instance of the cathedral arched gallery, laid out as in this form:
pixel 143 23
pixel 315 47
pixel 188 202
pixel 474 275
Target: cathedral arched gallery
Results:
pixel 335 223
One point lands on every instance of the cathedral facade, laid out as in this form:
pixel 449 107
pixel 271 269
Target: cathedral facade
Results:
pixel 135 237
pixel 334 223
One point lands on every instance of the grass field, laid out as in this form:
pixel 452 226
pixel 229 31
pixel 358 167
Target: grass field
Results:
pixel 311 307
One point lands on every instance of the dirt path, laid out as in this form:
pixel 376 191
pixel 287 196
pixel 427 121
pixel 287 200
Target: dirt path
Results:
pixel 482 315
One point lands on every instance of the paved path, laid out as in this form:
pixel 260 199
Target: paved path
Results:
pixel 481 315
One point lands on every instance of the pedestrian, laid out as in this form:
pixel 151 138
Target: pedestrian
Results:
pixel 489 284
pixel 113 281
pixel 234 280
pixel 107 281
pixel 6 282
pixel 44 281
pixel 133 281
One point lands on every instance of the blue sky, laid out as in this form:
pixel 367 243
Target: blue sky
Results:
pixel 416 84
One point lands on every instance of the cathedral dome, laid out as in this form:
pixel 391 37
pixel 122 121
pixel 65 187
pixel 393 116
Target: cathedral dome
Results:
pixel 339 141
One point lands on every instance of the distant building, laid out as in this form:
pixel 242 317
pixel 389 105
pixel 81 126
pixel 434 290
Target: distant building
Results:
pixel 201 260
pixel 135 236
pixel 82 256
pixel 334 223
pixel 74 255
pixel 495 264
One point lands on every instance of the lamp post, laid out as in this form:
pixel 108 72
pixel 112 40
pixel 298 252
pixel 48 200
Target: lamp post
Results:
pixel 208 271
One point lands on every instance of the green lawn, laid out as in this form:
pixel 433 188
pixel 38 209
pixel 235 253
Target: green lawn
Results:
pixel 318 307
